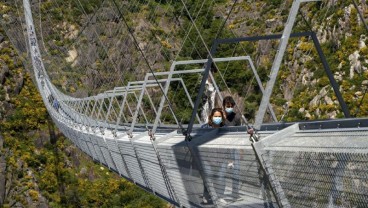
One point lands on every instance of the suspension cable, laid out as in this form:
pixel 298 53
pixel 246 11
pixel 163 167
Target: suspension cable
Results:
pixel 360 15
pixel 361 100
pixel 194 49
pixel 242 47
pixel 146 60
pixel 204 43
pixel 105 67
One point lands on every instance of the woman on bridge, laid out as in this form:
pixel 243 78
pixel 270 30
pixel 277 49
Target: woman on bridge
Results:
pixel 216 119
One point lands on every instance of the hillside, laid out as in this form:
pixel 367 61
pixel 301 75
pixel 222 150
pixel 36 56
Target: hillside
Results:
pixel 89 46
pixel 39 167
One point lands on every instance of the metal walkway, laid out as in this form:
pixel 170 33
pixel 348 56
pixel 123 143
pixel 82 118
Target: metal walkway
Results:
pixel 315 164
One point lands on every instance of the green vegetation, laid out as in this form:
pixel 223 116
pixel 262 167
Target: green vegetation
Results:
pixel 65 176
pixel 42 166
pixel 107 57
pixel 160 27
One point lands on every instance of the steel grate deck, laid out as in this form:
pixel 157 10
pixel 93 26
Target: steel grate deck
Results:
pixel 319 168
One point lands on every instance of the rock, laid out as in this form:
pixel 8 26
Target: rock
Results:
pixel 287 90
pixel 308 115
pixel 320 33
pixel 323 92
pixel 297 54
pixel 315 101
pixel 347 35
pixel 142 45
pixel 331 3
pixel 328 100
pixel 4 44
pixel 4 71
pixel 68 151
pixel 305 58
pixel 19 82
pixel 362 40
pixel 271 23
pixel 7 97
pixel 43 204
pixel 294 69
pixel 365 83
pixel 341 24
pixel 306 76
pixel 348 12
pixel 209 101
pixel 318 112
pixel 355 65
pixel 332 115
pixel 305 79
pixel 2 174
pixel 68 164
pixel 83 171
pixel 323 37
pixel 73 54
pixel 301 110
pixel 264 48
pixel 314 82
pixel 338 76
pixel 358 93
pixel 42 139
pixel 6 17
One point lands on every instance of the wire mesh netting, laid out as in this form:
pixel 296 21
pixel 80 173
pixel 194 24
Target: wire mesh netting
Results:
pixel 319 168
pixel 111 47
pixel 214 170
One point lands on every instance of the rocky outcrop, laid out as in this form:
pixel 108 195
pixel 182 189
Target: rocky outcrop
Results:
pixel 73 54
pixel 19 186
pixel 2 172
pixel 321 98
pixel 317 99
pixel 355 64
pixel 13 190
pixel 4 71
pixel 209 101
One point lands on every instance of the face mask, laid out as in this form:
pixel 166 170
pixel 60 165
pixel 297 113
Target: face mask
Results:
pixel 229 110
pixel 217 120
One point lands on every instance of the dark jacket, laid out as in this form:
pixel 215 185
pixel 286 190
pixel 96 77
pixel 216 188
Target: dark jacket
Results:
pixel 233 119
pixel 206 125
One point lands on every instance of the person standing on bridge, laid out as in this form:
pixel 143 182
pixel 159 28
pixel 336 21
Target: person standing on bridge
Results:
pixel 55 104
pixel 233 165
pixel 216 119
pixel 232 118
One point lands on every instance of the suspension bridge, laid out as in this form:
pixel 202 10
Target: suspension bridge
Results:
pixel 305 164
